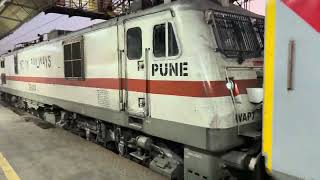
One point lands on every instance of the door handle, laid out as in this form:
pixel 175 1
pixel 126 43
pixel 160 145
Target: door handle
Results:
pixel 291 63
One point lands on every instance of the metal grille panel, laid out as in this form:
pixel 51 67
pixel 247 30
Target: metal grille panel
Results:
pixel 237 35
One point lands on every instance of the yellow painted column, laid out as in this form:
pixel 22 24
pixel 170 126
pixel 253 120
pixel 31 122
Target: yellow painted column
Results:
pixel 269 81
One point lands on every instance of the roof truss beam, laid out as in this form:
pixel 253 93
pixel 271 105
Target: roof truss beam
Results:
pixel 22 5
pixel 11 19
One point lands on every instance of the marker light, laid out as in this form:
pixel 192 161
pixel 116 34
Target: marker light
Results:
pixel 230 85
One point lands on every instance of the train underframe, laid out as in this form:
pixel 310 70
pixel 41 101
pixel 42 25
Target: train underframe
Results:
pixel 171 159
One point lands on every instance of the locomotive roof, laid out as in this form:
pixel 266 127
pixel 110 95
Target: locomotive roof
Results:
pixel 174 6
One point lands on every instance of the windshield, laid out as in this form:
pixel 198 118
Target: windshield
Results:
pixel 238 36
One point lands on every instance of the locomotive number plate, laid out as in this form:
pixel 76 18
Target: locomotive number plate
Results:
pixel 244 117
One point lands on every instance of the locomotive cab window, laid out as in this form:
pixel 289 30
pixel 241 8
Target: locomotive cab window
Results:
pixel 73 60
pixel 164 41
pixel 134 43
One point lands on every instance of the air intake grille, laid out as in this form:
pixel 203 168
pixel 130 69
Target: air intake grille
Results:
pixel 237 35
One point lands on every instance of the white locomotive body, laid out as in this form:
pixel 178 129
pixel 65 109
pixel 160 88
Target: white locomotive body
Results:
pixel 172 72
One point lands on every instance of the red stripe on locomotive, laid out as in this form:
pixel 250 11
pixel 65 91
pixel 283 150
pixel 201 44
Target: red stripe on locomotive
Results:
pixel 176 88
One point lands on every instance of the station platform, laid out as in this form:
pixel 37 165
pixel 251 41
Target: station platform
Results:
pixel 31 152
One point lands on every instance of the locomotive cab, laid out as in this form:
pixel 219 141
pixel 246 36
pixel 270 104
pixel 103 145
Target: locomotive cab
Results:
pixel 224 46
pixel 239 39
pixel 224 54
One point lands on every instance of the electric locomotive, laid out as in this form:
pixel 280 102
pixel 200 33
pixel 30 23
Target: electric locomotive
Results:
pixel 174 87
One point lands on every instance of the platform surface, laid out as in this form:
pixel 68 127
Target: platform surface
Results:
pixel 35 153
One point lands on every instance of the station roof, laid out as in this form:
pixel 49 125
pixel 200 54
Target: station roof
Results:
pixel 14 13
